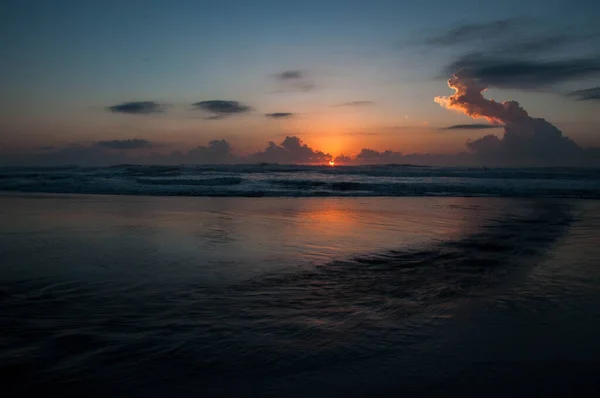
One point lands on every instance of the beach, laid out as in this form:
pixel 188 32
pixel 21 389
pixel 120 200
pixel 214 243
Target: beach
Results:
pixel 148 296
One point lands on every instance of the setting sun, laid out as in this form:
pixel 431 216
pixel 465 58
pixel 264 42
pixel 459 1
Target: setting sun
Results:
pixel 331 163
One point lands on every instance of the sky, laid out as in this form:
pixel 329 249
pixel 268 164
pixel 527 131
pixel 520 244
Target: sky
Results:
pixel 102 82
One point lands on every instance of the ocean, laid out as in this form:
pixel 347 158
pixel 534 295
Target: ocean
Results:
pixel 299 281
pixel 273 180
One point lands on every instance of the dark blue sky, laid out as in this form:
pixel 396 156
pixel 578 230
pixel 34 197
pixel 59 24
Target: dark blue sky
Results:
pixel 365 74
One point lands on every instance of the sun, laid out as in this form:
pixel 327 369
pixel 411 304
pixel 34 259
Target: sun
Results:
pixel 331 163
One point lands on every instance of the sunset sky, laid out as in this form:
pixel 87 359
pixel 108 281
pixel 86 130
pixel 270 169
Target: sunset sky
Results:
pixel 157 76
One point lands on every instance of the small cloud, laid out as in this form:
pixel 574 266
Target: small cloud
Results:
pixel 290 75
pixel 279 115
pixel 294 80
pixel 357 103
pixel 221 108
pixel 473 126
pixel 125 144
pixel 590 94
pixel 137 108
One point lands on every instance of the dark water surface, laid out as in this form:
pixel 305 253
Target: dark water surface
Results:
pixel 154 296
pixel 274 180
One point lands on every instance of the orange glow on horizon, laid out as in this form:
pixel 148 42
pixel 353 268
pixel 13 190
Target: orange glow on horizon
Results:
pixel 331 163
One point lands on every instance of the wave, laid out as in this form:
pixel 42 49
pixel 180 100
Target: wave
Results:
pixel 302 181
pixel 187 181
pixel 435 188
pixel 291 322
pixel 135 170
pixel 407 281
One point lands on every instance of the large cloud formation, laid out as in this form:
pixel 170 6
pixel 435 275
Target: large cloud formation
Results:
pixel 371 156
pixel 468 98
pixel 217 152
pixel 105 153
pixel 291 150
pixel 526 140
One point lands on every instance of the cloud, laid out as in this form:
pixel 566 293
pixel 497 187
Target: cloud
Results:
pixel 279 115
pixel 357 103
pixel 343 160
pixel 526 140
pixel 474 126
pixel 535 45
pixel 468 99
pixel 294 80
pixel 520 53
pixel 474 31
pixel 487 151
pixel 291 150
pixel 221 108
pixel 510 37
pixel 372 156
pixel 125 144
pixel 216 152
pixel 290 75
pixel 522 73
pixel 137 108
pixel 590 94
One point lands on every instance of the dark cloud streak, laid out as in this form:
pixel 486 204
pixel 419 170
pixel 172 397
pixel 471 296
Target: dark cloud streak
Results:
pixel 137 108
pixel 518 54
pixel 590 94
pixel 279 115
pixel 294 80
pixel 474 126
pixel 356 103
pixel 523 74
pixel 290 75
pixel 470 32
pixel 222 108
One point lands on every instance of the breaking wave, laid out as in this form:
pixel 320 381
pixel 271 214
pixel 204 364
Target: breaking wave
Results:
pixel 302 181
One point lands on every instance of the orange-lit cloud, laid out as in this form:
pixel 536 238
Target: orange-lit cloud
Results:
pixel 468 99
pixel 525 138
